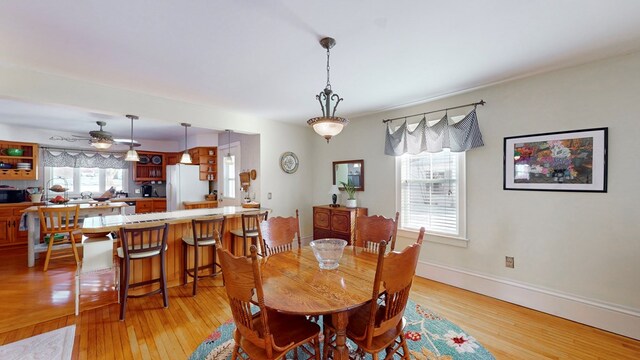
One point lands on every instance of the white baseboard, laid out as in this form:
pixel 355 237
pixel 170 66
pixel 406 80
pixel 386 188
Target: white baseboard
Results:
pixel 609 317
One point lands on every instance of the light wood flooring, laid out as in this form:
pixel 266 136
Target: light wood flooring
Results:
pixel 33 302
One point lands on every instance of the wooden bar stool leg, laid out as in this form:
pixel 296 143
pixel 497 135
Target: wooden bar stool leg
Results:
pixel 185 262
pixel 163 279
pixel 124 265
pixel 196 265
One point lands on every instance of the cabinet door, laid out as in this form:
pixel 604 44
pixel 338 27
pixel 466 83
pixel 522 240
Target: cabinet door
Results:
pixel 159 205
pixel 322 218
pixel 19 236
pixel 5 231
pixel 341 221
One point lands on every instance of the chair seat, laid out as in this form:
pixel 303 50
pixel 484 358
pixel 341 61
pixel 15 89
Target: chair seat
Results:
pixel 286 329
pixel 240 233
pixel 140 255
pixel 189 241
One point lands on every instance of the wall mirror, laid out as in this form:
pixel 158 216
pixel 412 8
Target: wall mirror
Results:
pixel 349 170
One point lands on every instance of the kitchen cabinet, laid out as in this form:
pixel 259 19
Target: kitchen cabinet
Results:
pixel 10 233
pixel 29 156
pixel 151 167
pixel 207 159
pixel 172 158
pixel 336 222
pixel 159 205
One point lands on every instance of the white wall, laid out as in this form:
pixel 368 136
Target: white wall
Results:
pixel 585 245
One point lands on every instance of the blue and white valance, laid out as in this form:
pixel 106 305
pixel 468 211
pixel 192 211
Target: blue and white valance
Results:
pixel 83 159
pixel 460 136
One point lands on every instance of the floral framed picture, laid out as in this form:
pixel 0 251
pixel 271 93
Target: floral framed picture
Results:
pixel 559 161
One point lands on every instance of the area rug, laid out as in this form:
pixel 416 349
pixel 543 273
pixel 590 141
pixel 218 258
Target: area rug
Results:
pixel 429 336
pixel 52 345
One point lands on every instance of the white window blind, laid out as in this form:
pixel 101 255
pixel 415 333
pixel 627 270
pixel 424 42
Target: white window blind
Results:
pixel 430 192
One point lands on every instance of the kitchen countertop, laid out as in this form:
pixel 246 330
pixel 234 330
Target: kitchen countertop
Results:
pixel 101 224
pixel 109 206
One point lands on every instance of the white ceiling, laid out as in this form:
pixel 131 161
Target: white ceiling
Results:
pixel 262 58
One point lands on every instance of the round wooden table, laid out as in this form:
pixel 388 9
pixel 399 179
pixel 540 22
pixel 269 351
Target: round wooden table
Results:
pixel 293 283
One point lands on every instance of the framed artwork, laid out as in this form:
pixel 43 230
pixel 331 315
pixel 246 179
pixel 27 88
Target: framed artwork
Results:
pixel 559 161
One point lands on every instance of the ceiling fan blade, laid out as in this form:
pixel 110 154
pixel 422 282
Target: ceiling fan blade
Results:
pixel 83 137
pixel 126 142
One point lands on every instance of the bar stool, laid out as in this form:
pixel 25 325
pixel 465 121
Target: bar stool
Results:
pixel 249 230
pixel 206 232
pixel 59 220
pixel 141 243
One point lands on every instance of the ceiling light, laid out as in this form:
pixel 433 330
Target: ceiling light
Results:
pixel 186 158
pixel 132 155
pixel 101 144
pixel 228 159
pixel 328 125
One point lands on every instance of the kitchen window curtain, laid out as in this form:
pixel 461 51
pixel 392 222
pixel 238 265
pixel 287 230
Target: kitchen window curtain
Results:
pixel 83 159
pixel 461 136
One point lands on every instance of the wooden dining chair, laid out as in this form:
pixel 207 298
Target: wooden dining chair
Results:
pixel 265 334
pixel 249 230
pixel 371 230
pixel 142 243
pixel 379 324
pixel 60 220
pixel 278 233
pixel 206 233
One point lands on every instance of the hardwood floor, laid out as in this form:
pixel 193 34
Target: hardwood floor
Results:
pixel 34 302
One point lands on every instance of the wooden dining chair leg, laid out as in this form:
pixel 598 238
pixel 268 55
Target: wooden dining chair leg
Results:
pixel 48 257
pixel 405 347
pixel 163 279
pixel 196 265
pixel 72 238
pixel 316 348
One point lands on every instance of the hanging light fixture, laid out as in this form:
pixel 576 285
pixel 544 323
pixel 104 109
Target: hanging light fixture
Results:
pixel 186 158
pixel 101 139
pixel 132 155
pixel 228 159
pixel 328 125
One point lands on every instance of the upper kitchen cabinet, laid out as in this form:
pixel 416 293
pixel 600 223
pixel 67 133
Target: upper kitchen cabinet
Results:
pixel 18 161
pixel 151 167
pixel 207 159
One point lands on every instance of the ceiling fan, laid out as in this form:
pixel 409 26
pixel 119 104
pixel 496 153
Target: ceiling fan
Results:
pixel 99 139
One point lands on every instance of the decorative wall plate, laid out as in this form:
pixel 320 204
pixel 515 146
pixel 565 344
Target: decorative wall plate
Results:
pixel 144 159
pixel 156 159
pixel 289 162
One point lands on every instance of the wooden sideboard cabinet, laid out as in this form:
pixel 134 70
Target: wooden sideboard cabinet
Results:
pixel 10 232
pixel 336 222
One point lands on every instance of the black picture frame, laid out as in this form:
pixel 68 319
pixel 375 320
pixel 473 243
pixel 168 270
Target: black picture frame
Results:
pixel 574 160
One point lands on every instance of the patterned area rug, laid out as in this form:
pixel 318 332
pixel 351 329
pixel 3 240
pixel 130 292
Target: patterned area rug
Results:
pixel 52 345
pixel 430 337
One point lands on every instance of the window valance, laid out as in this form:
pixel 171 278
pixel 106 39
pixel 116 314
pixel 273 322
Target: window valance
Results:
pixel 83 159
pixel 460 136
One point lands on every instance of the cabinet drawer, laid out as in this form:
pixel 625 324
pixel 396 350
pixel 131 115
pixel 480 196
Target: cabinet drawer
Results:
pixel 6 212
pixel 144 207
pixel 159 205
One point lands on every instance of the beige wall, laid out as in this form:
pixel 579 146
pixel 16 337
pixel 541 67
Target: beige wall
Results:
pixel 583 244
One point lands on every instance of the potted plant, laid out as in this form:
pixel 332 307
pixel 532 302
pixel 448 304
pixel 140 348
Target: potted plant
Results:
pixel 351 191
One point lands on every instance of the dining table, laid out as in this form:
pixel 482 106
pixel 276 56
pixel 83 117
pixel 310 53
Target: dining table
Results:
pixel 293 283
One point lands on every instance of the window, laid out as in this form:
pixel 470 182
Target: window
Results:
pixel 93 180
pixel 229 176
pixel 432 193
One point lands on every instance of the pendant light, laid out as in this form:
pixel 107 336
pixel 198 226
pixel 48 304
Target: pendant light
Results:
pixel 228 159
pixel 328 125
pixel 132 155
pixel 100 139
pixel 186 158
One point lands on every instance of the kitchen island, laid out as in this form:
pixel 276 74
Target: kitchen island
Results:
pixel 179 226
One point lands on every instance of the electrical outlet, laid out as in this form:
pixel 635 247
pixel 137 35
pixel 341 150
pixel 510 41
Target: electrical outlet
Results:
pixel 137 191
pixel 269 196
pixel 509 262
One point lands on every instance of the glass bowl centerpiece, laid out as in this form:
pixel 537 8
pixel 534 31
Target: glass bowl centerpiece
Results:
pixel 328 252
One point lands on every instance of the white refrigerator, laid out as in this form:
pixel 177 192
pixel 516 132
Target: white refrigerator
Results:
pixel 184 184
